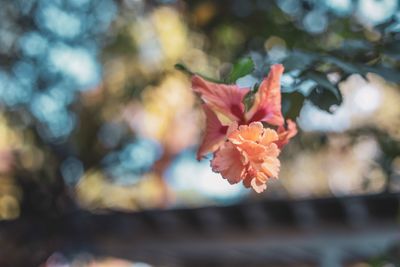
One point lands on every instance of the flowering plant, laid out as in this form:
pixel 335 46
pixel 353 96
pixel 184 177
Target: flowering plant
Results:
pixel 245 143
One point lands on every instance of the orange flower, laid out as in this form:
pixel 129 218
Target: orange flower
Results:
pixel 227 100
pixel 230 163
pixel 249 155
pixel 243 149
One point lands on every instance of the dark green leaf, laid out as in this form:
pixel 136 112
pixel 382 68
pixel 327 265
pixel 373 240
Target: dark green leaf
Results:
pixel 298 60
pixel 354 48
pixel 325 94
pixel 292 104
pixel 324 83
pixel 243 67
pixel 389 74
pixel 324 99
pixel 346 67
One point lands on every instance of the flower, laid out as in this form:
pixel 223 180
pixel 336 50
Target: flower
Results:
pixel 226 102
pixel 214 133
pixel 243 149
pixel 226 99
pixel 249 155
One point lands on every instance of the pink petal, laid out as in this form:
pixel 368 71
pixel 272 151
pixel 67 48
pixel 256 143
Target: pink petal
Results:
pixel 267 102
pixel 228 161
pixel 286 134
pixel 214 134
pixel 233 126
pixel 227 99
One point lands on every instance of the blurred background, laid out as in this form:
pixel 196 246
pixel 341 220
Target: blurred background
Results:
pixel 95 120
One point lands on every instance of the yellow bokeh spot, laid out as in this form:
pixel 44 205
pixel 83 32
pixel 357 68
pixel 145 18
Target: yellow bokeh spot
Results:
pixel 9 207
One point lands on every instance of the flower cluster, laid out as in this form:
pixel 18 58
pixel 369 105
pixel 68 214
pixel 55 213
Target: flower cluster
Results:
pixel 244 150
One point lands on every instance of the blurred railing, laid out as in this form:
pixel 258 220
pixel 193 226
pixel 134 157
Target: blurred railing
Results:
pixel 314 232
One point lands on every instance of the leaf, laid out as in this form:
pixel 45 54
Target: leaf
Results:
pixel 392 49
pixel 243 67
pixel 186 70
pixel 291 104
pixel 325 94
pixel 388 74
pixel 346 67
pixel 324 99
pixel 248 100
pixel 323 82
pixel 354 48
pixel 298 60
pixel 385 26
pixel 183 68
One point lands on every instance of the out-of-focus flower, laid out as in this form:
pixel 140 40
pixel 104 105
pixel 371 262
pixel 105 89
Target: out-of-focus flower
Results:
pixel 248 153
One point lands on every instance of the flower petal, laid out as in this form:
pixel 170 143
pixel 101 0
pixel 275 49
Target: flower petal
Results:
pixel 269 136
pixel 252 151
pixel 259 154
pixel 226 99
pixel 251 132
pixel 214 134
pixel 267 102
pixel 286 134
pixel 258 186
pixel 271 166
pixel 228 161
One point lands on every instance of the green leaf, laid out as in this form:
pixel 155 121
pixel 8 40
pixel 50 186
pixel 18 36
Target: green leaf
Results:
pixel 323 82
pixel 325 94
pixel 183 68
pixel 243 67
pixel 388 74
pixel 248 100
pixel 324 99
pixel 298 60
pixel 186 70
pixel 291 104
pixel 353 48
pixel 346 67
